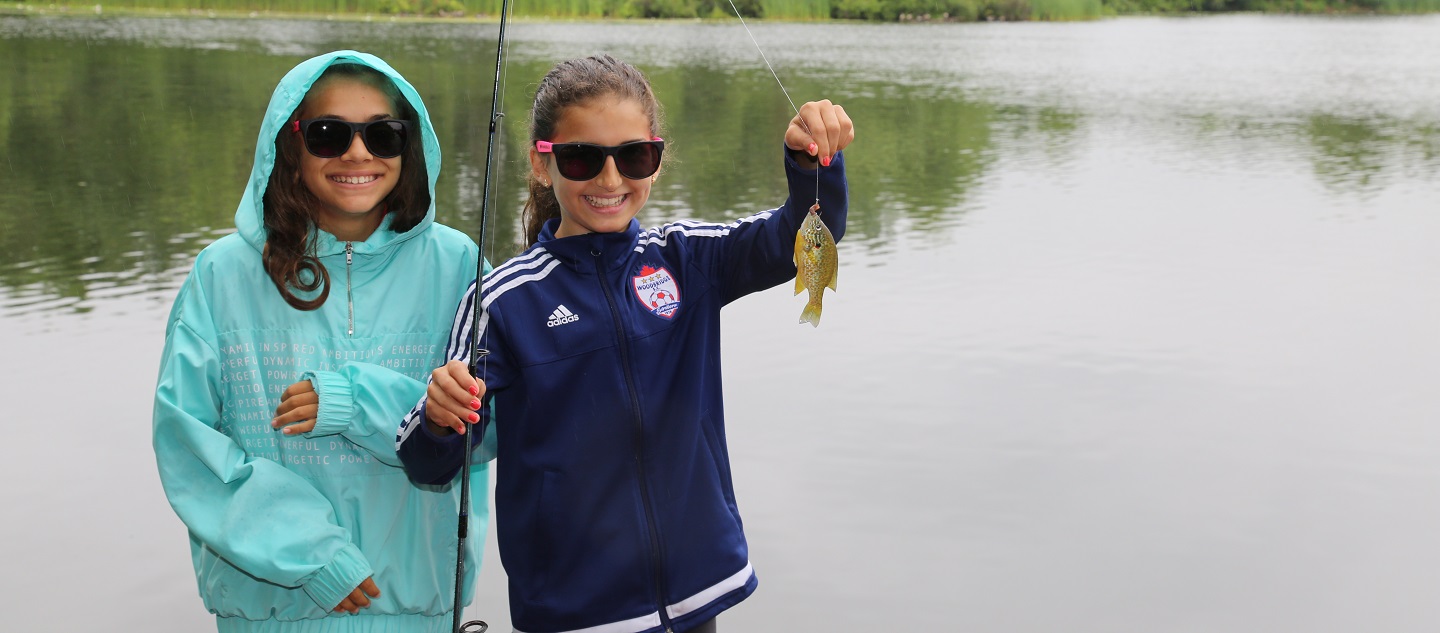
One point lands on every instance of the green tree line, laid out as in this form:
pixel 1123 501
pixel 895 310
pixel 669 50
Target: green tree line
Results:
pixel 878 10
pixel 870 10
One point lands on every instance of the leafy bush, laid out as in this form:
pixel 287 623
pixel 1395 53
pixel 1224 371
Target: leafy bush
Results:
pixel 422 7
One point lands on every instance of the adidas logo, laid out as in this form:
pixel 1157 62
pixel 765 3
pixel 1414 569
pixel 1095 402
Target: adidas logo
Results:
pixel 561 316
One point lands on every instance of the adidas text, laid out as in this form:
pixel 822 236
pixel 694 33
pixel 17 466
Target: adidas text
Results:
pixel 561 316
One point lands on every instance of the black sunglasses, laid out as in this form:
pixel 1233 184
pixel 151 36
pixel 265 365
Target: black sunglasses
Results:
pixel 582 161
pixel 329 138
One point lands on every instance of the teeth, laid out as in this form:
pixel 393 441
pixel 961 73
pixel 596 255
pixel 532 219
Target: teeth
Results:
pixel 605 202
pixel 355 180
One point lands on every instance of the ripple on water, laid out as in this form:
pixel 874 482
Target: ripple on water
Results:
pixel 129 280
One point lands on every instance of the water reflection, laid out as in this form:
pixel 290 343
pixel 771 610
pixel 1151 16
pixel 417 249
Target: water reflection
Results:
pixel 1364 155
pixel 135 130
pixel 125 135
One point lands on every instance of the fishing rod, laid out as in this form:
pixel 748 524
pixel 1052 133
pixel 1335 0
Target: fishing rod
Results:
pixel 479 352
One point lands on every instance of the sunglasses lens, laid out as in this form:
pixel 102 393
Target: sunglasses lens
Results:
pixel 385 139
pixel 327 139
pixel 637 161
pixel 331 138
pixel 583 162
pixel 579 162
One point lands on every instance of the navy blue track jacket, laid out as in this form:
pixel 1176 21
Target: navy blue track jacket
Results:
pixel 614 504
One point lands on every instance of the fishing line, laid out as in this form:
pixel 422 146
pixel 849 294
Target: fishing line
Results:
pixel 495 121
pixel 782 89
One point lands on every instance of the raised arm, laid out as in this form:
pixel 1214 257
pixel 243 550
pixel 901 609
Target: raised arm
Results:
pixel 758 252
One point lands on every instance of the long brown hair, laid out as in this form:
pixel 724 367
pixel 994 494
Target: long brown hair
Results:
pixel 290 207
pixel 571 83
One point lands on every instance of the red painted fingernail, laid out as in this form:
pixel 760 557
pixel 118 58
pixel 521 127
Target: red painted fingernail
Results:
pixel 811 149
pixel 474 390
pixel 825 162
pixel 474 417
pixel 474 404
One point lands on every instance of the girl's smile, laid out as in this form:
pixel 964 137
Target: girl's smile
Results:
pixel 605 203
pixel 355 180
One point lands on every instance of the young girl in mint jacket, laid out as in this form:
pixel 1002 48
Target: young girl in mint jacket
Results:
pixel 293 346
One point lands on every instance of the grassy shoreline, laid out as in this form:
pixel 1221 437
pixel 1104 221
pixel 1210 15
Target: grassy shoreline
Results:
pixel 88 10
pixel 452 11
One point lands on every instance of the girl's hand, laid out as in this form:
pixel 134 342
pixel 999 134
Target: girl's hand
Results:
pixel 359 597
pixel 820 130
pixel 298 407
pixel 453 398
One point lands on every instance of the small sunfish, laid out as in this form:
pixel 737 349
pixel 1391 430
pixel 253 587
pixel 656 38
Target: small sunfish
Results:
pixel 817 264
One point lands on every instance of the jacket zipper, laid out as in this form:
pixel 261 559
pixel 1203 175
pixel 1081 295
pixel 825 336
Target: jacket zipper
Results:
pixel 656 569
pixel 349 294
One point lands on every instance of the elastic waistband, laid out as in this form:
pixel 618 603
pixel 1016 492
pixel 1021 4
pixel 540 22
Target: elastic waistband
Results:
pixel 341 624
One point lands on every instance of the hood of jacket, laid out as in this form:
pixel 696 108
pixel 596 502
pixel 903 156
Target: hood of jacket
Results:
pixel 250 216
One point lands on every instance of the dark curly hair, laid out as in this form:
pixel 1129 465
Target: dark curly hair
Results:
pixel 290 207
pixel 570 83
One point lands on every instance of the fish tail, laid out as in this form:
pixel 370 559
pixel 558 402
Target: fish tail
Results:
pixel 811 314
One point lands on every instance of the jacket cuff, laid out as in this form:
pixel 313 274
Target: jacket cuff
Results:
pixel 337 403
pixel 337 579
pixel 794 163
pixel 447 440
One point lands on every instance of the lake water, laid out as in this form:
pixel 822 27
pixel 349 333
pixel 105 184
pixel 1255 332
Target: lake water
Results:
pixel 1137 329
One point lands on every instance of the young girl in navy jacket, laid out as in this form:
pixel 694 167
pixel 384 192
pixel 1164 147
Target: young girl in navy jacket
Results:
pixel 614 504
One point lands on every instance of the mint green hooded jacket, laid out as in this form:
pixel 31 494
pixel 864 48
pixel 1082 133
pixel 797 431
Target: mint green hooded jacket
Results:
pixel 282 528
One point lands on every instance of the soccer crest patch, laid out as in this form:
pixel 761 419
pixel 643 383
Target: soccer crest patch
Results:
pixel 657 291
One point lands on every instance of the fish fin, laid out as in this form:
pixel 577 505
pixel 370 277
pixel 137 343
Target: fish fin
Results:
pixel 811 314
pixel 799 281
pixel 834 279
